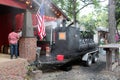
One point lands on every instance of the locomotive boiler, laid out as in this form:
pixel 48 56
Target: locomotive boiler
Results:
pixel 66 44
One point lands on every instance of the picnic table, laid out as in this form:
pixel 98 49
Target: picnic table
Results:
pixel 110 50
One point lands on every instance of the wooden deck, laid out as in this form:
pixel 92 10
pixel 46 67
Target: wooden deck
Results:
pixel 4 57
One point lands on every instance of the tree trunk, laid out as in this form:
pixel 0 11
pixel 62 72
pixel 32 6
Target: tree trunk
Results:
pixel 112 21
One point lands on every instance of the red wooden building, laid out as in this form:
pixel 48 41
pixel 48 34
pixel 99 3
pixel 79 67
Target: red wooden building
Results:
pixel 15 14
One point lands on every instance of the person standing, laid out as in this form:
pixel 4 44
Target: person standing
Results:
pixel 13 38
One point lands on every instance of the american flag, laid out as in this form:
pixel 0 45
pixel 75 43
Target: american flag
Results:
pixel 40 19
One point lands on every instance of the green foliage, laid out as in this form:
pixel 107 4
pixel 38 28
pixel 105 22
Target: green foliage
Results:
pixel 30 69
pixel 117 12
pixel 99 17
pixel 95 19
pixel 71 7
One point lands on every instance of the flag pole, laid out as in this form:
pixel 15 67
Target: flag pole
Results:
pixel 38 4
pixel 51 36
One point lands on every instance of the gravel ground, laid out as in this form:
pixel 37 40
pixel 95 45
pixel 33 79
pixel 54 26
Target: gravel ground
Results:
pixel 79 72
pixel 13 69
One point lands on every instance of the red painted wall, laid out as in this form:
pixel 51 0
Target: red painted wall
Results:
pixel 6 25
pixel 5 28
pixel 19 21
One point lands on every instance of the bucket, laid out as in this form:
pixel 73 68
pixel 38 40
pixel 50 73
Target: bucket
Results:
pixel 60 57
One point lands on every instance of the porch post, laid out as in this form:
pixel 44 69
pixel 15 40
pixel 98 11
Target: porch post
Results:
pixel 27 44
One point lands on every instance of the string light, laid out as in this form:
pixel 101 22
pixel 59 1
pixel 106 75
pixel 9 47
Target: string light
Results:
pixel 27 2
pixel 30 6
pixel 58 14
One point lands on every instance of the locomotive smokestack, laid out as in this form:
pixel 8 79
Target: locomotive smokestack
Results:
pixel 64 23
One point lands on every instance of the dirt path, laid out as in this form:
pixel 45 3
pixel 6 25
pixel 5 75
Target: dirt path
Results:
pixel 79 72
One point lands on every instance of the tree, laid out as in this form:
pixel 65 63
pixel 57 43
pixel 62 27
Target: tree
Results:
pixel 73 7
pixel 112 21
pixel 117 15
pixel 88 22
pixel 98 17
pixel 117 12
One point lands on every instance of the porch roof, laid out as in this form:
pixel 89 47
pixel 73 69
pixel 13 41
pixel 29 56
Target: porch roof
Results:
pixel 13 3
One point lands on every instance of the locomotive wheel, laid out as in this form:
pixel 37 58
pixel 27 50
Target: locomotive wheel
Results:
pixel 95 57
pixel 89 60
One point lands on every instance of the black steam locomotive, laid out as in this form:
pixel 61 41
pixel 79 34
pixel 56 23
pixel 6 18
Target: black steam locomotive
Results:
pixel 63 45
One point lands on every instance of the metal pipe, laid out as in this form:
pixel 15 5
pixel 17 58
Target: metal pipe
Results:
pixel 51 37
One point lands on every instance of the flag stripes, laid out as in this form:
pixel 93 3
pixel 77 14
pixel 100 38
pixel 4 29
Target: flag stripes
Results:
pixel 41 26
